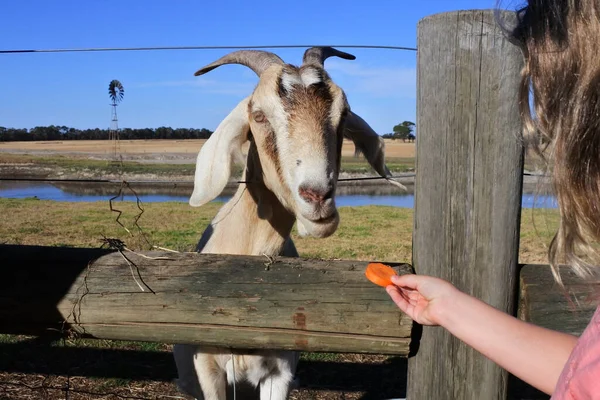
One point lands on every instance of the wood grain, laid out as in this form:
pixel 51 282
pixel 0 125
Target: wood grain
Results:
pixel 544 303
pixel 467 190
pixel 237 301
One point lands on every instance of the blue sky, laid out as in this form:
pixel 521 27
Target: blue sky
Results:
pixel 160 89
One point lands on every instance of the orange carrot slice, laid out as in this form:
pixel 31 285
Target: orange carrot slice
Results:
pixel 380 274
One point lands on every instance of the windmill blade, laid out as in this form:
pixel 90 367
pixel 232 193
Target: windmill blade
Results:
pixel 116 92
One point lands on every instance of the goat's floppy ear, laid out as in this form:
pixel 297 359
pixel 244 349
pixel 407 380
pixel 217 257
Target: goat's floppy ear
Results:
pixel 213 165
pixel 370 144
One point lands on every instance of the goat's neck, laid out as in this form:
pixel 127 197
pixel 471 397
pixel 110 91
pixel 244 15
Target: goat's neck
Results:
pixel 238 228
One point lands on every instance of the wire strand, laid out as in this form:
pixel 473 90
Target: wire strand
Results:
pixel 162 48
pixel 117 181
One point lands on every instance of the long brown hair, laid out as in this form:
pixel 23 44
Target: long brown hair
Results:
pixel 560 40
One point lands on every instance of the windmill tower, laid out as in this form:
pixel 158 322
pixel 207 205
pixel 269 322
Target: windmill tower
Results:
pixel 116 93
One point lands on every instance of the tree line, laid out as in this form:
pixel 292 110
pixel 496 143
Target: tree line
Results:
pixel 54 132
pixel 403 131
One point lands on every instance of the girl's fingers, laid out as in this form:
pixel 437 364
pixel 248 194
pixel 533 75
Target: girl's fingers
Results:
pixel 409 281
pixel 397 297
pixel 405 295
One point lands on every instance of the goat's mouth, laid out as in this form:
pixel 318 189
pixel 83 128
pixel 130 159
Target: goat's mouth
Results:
pixel 324 220
pixel 320 227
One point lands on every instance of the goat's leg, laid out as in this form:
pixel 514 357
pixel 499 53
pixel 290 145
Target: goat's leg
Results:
pixel 275 387
pixel 187 380
pixel 278 384
pixel 211 377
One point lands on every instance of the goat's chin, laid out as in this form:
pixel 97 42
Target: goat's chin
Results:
pixel 318 229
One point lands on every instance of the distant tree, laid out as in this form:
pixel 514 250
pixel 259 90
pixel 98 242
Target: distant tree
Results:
pixel 46 133
pixel 403 130
pixel 11 134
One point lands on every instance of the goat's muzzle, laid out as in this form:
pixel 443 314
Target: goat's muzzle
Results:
pixel 315 195
pixel 318 213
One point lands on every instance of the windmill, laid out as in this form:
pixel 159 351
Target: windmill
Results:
pixel 116 93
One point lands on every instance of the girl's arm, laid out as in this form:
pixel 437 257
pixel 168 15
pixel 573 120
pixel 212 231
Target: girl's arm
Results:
pixel 534 354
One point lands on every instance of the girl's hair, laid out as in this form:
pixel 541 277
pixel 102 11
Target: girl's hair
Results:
pixel 560 40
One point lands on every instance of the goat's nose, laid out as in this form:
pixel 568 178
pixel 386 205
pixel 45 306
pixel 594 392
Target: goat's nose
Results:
pixel 312 194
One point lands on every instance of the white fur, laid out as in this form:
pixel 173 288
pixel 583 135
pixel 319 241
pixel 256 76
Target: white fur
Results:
pixel 310 76
pixel 289 81
pixel 213 165
pixel 302 231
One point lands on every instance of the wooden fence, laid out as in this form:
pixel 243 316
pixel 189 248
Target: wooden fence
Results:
pixel 234 301
pixel 466 229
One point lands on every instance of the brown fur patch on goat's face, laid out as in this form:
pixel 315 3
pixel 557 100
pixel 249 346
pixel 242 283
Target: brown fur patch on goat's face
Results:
pixel 296 115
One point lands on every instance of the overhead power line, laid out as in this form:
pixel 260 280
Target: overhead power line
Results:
pixel 160 48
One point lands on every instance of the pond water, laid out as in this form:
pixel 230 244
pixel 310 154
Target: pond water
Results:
pixel 347 196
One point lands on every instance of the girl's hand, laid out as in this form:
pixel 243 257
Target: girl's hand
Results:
pixel 423 298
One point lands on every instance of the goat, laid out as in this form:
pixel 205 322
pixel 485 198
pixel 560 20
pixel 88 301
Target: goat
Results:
pixel 295 120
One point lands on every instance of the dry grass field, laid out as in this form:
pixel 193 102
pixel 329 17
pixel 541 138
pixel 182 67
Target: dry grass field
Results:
pixel 394 148
pixel 149 159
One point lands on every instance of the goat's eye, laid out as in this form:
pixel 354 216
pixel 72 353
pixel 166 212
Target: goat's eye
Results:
pixel 259 116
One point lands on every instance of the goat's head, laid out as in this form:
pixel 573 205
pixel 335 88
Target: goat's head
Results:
pixel 297 118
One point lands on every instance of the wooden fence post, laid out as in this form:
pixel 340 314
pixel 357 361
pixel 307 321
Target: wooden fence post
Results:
pixel 468 189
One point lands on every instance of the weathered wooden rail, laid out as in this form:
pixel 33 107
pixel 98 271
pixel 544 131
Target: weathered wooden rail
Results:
pixel 232 301
pixel 236 301
pixel 542 302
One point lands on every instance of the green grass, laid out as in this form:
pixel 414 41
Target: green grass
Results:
pixel 98 167
pixel 111 383
pixel 365 233
pixel 360 165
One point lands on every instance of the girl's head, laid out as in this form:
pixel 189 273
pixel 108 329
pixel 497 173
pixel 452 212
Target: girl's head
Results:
pixel 561 43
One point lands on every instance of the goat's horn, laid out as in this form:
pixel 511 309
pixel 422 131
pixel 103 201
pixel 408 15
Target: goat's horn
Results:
pixel 256 60
pixel 318 55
